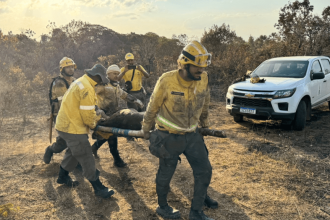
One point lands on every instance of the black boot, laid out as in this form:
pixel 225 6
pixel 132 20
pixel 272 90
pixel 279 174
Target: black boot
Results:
pixel 198 215
pixel 48 155
pixel 101 190
pixel 96 146
pixel 64 178
pixel 210 203
pixel 94 150
pixel 168 212
pixel 119 163
pixel 113 145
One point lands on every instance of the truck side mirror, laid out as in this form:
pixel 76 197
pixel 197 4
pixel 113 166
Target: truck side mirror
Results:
pixel 317 76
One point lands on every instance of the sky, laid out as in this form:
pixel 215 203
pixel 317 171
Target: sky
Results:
pixel 163 17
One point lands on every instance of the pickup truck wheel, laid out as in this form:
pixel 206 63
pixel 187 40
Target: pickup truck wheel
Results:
pixel 300 119
pixel 238 118
pixel 329 105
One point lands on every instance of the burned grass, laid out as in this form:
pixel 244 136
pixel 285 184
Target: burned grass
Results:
pixel 260 171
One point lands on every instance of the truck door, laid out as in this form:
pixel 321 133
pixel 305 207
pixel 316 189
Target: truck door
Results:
pixel 326 81
pixel 316 85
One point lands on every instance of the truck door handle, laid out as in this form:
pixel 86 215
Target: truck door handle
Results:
pixel 324 81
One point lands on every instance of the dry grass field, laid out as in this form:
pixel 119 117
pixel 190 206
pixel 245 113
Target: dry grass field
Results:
pixel 260 171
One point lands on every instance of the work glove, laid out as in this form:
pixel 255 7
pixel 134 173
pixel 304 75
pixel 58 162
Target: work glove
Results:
pixel 103 115
pixel 139 103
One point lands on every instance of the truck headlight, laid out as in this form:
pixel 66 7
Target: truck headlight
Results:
pixel 284 93
pixel 230 91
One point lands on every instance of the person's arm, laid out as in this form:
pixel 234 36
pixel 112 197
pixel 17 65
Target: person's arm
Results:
pixel 156 100
pixel 143 71
pixel 87 108
pixel 128 97
pixel 203 119
pixel 122 72
pixel 122 94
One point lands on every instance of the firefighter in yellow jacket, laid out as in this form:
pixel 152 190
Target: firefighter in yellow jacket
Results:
pixel 58 87
pixel 133 74
pixel 179 104
pixel 108 100
pixel 76 116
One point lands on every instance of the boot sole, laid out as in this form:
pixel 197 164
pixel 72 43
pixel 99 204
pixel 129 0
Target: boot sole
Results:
pixel 169 217
pixel 108 196
pixel 64 183
pixel 46 159
pixel 211 207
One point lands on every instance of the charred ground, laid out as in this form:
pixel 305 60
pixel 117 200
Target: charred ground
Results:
pixel 259 172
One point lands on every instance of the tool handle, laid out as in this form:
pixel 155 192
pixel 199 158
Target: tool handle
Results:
pixel 211 132
pixel 139 133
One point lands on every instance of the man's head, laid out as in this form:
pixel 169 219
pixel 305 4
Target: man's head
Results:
pixel 129 59
pixel 193 59
pixel 113 72
pixel 194 72
pixel 67 66
pixel 98 74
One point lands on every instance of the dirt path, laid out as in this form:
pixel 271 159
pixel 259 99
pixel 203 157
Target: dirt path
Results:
pixel 259 172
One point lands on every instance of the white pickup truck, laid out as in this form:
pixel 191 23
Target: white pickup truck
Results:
pixel 293 86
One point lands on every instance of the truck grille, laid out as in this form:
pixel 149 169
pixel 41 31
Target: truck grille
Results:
pixel 255 95
pixel 251 102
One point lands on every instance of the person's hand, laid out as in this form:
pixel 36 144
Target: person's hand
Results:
pixel 99 111
pixel 103 115
pixel 126 68
pixel 138 67
pixel 138 102
pixel 146 135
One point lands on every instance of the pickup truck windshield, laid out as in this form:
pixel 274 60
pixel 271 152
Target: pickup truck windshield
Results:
pixel 289 69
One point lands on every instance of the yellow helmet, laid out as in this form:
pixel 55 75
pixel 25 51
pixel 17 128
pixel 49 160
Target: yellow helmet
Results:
pixel 129 56
pixel 66 62
pixel 196 54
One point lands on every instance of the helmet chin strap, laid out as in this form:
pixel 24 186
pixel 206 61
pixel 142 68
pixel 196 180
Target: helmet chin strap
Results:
pixel 190 76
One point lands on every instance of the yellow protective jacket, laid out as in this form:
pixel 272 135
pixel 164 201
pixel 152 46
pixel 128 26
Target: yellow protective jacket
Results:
pixel 58 91
pixel 77 113
pixel 177 105
pixel 137 79
pixel 108 97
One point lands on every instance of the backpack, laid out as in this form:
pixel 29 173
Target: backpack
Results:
pixel 50 93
